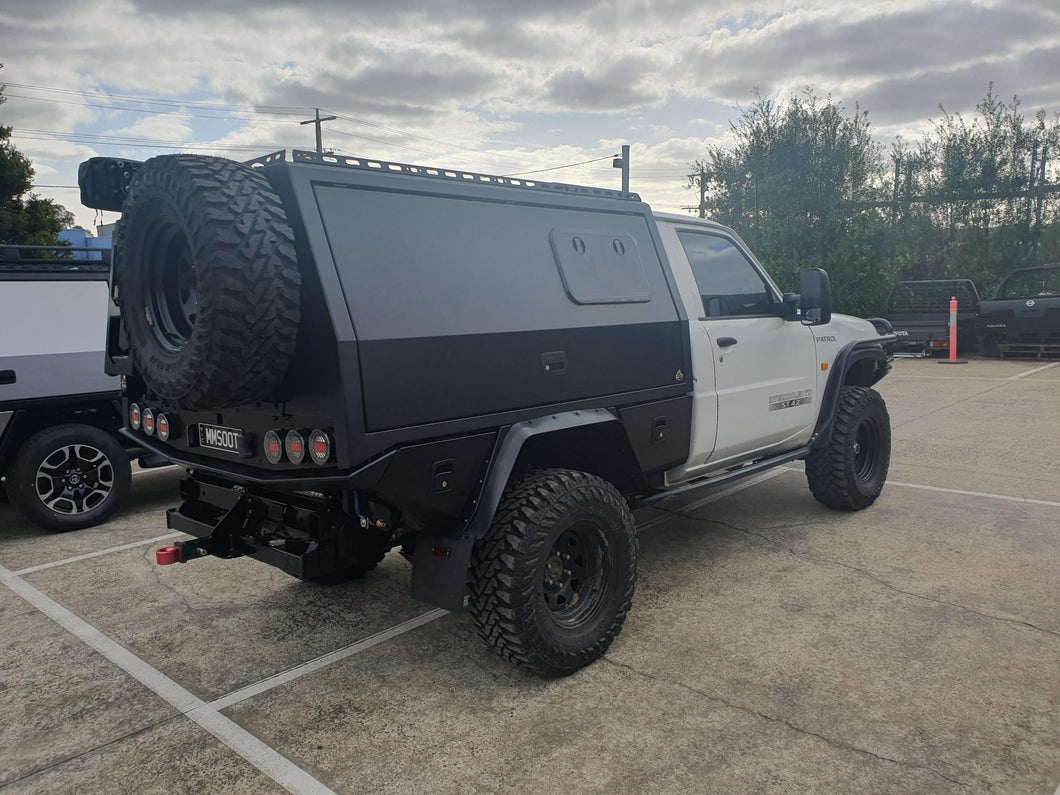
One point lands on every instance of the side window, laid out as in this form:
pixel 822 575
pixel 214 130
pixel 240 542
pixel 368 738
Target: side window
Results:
pixel 728 283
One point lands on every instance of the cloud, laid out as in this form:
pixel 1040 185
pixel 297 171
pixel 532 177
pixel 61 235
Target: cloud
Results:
pixel 166 126
pixel 613 87
pixel 482 83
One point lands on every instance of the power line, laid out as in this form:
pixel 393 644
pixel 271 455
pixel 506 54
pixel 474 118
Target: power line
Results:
pixel 556 168
pixel 121 140
pixel 151 143
pixel 149 110
pixel 283 110
pixel 260 113
pixel 410 134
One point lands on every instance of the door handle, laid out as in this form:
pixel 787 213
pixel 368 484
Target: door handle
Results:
pixel 725 342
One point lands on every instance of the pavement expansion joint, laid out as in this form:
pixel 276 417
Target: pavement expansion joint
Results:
pixel 783 722
pixel 256 752
pixel 93 749
pixel 875 578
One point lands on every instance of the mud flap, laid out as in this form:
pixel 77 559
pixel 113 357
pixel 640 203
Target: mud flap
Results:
pixel 440 570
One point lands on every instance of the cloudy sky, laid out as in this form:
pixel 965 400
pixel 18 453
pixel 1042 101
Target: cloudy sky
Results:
pixel 498 86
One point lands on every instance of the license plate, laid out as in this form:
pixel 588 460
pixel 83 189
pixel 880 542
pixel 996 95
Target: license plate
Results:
pixel 217 437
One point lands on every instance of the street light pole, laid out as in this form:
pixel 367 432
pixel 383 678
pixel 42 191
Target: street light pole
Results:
pixel 623 163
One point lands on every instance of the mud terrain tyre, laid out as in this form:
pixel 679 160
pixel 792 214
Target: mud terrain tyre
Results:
pixel 553 580
pixel 208 281
pixel 69 477
pixel 849 472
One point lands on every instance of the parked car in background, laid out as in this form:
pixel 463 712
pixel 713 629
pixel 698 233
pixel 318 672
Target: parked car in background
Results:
pixel 63 464
pixel 1023 318
pixel 919 312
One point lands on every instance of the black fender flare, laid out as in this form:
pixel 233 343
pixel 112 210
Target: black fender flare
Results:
pixel 875 350
pixel 440 570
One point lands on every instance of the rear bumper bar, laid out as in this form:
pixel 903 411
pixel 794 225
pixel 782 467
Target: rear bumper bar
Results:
pixel 230 523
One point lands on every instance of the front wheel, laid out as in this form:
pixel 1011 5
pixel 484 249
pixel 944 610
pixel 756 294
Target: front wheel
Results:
pixel 69 477
pixel 849 472
pixel 553 580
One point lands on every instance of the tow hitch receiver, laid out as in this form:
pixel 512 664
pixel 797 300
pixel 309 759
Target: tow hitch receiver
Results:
pixel 227 538
pixel 307 537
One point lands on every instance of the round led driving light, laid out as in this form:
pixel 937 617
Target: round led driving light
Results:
pixel 149 422
pixel 319 446
pixel 273 447
pixel 134 416
pixel 162 424
pixel 294 445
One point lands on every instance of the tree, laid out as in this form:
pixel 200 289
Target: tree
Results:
pixel 25 218
pixel 806 185
pixel 788 184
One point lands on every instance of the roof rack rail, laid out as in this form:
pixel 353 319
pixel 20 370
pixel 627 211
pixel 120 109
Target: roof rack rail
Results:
pixel 53 259
pixel 263 160
pixel 437 172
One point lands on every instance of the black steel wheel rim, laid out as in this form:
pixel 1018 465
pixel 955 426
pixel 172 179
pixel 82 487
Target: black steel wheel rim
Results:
pixel 866 449
pixel 171 285
pixel 575 575
pixel 74 479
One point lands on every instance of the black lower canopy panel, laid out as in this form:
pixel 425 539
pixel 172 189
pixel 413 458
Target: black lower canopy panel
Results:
pixel 425 380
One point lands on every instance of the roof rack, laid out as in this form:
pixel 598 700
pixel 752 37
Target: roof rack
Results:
pixel 53 259
pixel 435 172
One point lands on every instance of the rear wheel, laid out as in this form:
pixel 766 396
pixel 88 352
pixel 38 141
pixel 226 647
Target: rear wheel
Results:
pixel 69 477
pixel 849 472
pixel 554 578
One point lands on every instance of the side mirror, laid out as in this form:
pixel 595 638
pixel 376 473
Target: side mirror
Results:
pixel 816 297
pixel 789 307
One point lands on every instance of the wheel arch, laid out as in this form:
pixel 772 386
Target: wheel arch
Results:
pixel 99 413
pixel 593 441
pixel 859 363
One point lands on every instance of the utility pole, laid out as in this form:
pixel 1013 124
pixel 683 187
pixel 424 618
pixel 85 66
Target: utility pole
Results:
pixel 702 191
pixel 318 121
pixel 623 163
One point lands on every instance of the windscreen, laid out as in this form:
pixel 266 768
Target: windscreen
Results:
pixel 1033 283
pixel 929 297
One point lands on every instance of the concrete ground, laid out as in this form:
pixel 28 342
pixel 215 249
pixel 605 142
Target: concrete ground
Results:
pixel 773 646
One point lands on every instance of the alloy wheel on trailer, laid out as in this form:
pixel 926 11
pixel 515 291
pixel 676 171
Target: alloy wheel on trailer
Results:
pixel 74 479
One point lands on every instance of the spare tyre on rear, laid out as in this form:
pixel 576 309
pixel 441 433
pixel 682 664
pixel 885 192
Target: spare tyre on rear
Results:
pixel 208 281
